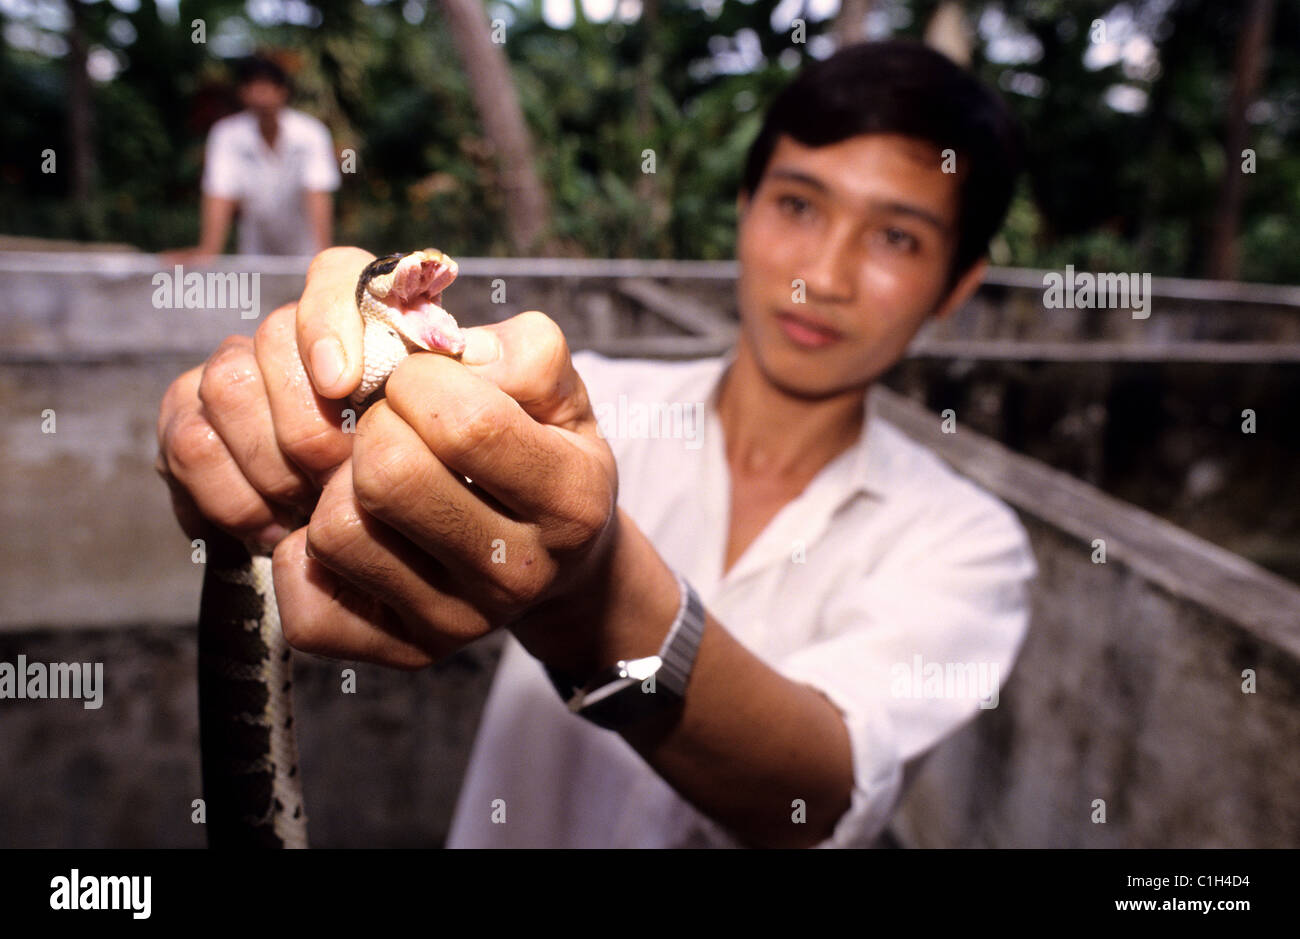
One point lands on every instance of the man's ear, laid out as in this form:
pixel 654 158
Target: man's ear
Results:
pixel 742 203
pixel 961 291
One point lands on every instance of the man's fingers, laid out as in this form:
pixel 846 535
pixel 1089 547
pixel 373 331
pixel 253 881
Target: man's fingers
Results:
pixel 181 394
pixel 328 324
pixel 527 357
pixel 186 511
pixel 322 613
pixel 377 560
pixel 554 477
pixel 394 477
pixel 306 425
pixel 235 404
pixel 197 459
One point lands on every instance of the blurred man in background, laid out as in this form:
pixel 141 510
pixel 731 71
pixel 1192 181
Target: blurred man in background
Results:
pixel 272 164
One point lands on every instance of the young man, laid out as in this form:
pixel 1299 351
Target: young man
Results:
pixel 272 165
pixel 766 582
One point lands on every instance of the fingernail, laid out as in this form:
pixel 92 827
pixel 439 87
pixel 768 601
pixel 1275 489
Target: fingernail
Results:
pixel 481 347
pixel 327 362
pixel 272 535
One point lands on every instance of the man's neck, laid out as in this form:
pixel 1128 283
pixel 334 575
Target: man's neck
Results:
pixel 770 433
pixel 269 125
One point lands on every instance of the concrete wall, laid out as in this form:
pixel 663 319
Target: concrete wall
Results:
pixel 380 767
pixel 1128 690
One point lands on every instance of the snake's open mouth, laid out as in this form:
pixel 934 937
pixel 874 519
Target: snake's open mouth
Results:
pixel 413 291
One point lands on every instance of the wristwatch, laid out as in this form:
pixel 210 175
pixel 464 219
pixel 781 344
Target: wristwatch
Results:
pixel 633 690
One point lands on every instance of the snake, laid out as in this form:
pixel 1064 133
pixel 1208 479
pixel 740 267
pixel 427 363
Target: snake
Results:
pixel 252 790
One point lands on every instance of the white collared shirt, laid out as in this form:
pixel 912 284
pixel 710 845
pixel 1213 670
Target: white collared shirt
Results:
pixel 891 584
pixel 269 183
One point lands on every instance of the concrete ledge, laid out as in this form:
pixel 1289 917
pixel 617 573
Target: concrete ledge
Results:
pixel 1129 688
pixel 381 767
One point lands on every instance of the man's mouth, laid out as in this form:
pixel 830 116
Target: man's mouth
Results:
pixel 806 332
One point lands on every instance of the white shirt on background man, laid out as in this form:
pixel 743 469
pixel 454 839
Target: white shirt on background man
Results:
pixel 887 562
pixel 269 183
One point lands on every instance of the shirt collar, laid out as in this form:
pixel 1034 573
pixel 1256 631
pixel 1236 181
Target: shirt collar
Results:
pixel 868 465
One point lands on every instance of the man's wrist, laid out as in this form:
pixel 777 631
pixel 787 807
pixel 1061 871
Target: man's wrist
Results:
pixel 624 611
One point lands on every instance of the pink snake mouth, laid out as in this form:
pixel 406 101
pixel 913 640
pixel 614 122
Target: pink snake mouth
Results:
pixel 416 296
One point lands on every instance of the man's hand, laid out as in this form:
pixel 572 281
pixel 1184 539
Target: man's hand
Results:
pixel 215 217
pixel 403 560
pixel 195 256
pixel 244 442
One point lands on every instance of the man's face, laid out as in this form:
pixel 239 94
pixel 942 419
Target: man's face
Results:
pixel 263 97
pixel 869 226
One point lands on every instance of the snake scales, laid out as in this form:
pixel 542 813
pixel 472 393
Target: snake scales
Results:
pixel 251 786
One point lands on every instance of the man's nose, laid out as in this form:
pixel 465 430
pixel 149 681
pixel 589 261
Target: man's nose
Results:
pixel 831 272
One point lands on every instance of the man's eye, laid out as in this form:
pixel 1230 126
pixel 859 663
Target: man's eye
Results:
pixel 902 240
pixel 795 205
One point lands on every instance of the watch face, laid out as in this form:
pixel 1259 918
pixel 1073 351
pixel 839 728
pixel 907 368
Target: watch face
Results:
pixel 640 669
pixel 628 699
pixel 639 688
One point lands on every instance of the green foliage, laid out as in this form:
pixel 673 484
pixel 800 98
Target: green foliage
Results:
pixel 1108 189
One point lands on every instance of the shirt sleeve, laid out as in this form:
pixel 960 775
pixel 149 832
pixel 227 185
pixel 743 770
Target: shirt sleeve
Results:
pixel 221 170
pixel 321 171
pixel 919 646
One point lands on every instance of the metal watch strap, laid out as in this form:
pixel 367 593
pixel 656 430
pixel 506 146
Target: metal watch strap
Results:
pixel 677 659
pixel 682 642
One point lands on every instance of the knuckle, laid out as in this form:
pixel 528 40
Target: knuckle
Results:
pixel 522 585
pixel 543 330
pixel 272 329
pixel 381 470
pixel 546 342
pixel 313 445
pixel 301 633
pixel 285 488
pixel 581 520
pixel 192 442
pixel 593 515
pixel 179 396
pixel 331 534
pixel 230 378
pixel 571 534
pixel 174 396
pixel 472 426
pixel 241 515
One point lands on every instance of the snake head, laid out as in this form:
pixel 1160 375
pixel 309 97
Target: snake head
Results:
pixel 404 291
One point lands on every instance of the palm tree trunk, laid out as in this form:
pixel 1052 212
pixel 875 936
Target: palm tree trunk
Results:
pixel 81 126
pixel 502 118
pixel 1248 71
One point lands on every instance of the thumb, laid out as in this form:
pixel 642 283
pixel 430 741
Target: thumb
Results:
pixel 328 324
pixel 527 357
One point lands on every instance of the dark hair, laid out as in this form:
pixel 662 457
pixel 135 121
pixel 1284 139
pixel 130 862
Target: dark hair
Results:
pixel 904 87
pixel 259 68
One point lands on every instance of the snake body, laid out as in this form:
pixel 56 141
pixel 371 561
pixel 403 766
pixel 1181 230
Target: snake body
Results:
pixel 251 786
